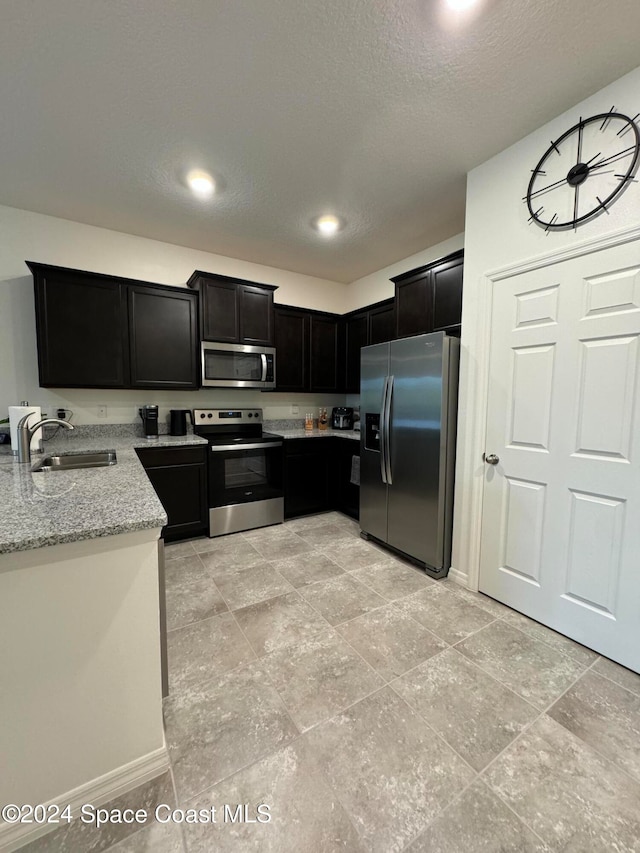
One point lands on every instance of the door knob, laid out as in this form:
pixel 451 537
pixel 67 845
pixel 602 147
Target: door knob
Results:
pixel 491 459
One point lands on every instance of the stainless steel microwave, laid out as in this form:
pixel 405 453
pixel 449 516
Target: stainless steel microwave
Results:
pixel 238 366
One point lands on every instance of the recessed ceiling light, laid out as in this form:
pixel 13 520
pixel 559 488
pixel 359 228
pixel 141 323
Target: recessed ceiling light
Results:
pixel 201 183
pixel 460 5
pixel 327 225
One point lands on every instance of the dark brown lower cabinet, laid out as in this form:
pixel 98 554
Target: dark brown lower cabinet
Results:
pixel 317 474
pixel 179 477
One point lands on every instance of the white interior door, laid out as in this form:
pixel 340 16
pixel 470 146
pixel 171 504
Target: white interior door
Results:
pixel 561 509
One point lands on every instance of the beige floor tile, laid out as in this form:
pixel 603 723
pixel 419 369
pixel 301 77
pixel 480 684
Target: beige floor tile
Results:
pixel 354 553
pixel 475 714
pixel 279 622
pixel 391 641
pixel 327 535
pixel 572 798
pixel 530 668
pixel 229 552
pixel 606 716
pixel 319 677
pixel 446 614
pixel 191 601
pixel 174 550
pixel 205 650
pixel 393 579
pixel 389 770
pixel 495 608
pixel 341 599
pixel 480 822
pixel 557 641
pixel 620 674
pixel 222 725
pixel 306 816
pixel 244 585
pixel 307 568
pixel 283 547
pixel 157 838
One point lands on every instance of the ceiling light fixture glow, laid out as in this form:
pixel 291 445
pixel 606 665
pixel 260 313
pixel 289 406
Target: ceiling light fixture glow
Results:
pixel 201 183
pixel 460 5
pixel 328 225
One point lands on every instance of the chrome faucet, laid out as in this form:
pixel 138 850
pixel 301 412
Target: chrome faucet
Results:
pixel 26 433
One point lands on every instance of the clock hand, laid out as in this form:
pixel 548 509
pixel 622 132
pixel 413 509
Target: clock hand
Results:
pixel 580 129
pixel 607 160
pixel 575 206
pixel 544 189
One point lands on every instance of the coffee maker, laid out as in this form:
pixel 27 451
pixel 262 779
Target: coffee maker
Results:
pixel 149 415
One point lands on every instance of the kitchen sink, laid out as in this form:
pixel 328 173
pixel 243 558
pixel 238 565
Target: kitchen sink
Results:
pixel 76 460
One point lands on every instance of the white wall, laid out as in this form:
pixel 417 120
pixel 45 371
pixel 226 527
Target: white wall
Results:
pixel 377 286
pixel 32 236
pixel 497 234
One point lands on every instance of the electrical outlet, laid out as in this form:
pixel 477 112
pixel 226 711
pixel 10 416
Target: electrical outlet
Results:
pixel 295 410
pixel 102 411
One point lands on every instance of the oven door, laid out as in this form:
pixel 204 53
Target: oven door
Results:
pixel 238 366
pixel 245 473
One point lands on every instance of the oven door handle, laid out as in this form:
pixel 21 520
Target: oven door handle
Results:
pixel 218 448
pixel 263 359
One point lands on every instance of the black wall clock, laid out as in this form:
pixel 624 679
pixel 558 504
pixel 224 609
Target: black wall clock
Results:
pixel 584 170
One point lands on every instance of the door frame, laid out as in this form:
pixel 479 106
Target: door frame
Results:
pixel 475 357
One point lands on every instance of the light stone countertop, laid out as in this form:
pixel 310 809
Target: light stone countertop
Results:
pixel 353 434
pixel 48 508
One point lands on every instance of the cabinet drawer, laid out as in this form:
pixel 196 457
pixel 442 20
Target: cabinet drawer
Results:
pixel 155 457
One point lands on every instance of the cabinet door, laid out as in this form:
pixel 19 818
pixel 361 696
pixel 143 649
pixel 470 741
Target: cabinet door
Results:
pixel 163 335
pixel 81 330
pixel 179 477
pixel 347 494
pixel 414 305
pixel 356 337
pixel 306 476
pixel 221 319
pixel 323 354
pixel 447 296
pixel 256 315
pixel 292 349
pixel 382 323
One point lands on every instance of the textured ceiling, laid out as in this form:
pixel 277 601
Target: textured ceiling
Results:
pixel 372 109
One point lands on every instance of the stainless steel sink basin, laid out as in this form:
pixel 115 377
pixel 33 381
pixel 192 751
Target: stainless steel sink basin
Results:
pixel 76 460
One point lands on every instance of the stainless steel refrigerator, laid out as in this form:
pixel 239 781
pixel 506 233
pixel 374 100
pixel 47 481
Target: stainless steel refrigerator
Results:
pixel 408 413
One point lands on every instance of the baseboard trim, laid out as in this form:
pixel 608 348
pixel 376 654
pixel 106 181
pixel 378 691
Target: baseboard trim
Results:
pixel 458 577
pixel 98 792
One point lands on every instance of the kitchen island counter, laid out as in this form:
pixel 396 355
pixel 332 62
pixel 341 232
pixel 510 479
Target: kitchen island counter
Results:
pixel 53 507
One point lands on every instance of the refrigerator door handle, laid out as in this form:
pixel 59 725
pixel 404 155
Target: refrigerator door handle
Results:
pixel 381 435
pixel 387 430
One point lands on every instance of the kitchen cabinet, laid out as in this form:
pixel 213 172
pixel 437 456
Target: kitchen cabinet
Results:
pixel 292 348
pixel 429 298
pixel 99 331
pixel 163 335
pixel 346 494
pixel 81 327
pixel 306 476
pixel 309 350
pixel 374 324
pixel 234 310
pixel 179 477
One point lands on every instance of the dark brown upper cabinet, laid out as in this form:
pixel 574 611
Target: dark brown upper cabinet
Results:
pixel 292 348
pixel 374 324
pixel 233 310
pixel 309 350
pixel 429 298
pixel 163 335
pixel 99 331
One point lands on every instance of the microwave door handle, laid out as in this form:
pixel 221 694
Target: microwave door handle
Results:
pixel 383 457
pixel 263 359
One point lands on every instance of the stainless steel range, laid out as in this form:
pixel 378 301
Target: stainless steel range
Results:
pixel 245 470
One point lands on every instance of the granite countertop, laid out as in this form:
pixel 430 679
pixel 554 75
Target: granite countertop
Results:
pixel 353 434
pixel 49 508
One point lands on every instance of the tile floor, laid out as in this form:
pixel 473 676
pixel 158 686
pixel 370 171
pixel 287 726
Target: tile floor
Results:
pixel 373 709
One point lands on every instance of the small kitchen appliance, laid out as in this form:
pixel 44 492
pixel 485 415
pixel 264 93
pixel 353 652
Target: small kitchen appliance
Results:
pixel 238 366
pixel 178 421
pixel 342 417
pixel 245 470
pixel 149 415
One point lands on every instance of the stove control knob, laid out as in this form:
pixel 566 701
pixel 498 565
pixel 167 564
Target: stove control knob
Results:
pixel 257 415
pixel 202 415
pixel 209 415
pixel 250 414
